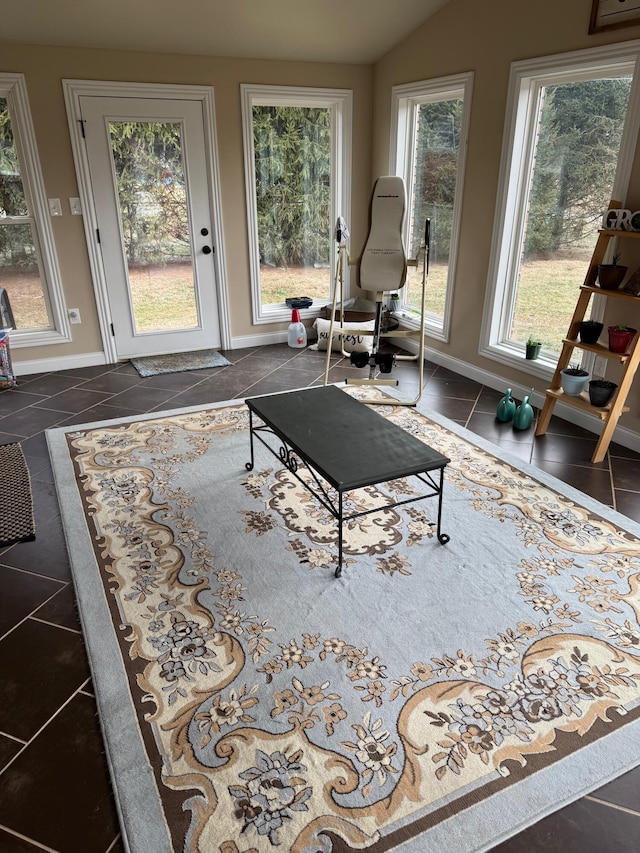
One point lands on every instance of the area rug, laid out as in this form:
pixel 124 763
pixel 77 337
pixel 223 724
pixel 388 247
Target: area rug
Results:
pixel 153 365
pixel 16 503
pixel 434 697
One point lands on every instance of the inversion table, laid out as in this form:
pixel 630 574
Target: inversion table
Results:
pixel 345 446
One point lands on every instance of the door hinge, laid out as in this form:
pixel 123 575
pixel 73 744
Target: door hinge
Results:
pixel 98 235
pixel 113 334
pixel 81 122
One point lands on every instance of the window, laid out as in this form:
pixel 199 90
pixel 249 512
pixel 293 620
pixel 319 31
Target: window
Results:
pixel 567 152
pixel 28 266
pixel 428 148
pixel 297 146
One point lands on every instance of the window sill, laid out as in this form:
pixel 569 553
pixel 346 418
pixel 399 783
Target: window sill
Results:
pixel 45 337
pixel 511 356
pixel 432 328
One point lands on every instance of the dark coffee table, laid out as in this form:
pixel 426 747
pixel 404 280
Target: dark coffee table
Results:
pixel 345 445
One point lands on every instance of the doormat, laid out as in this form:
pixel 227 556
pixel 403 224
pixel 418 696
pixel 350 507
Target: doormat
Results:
pixel 177 362
pixel 16 503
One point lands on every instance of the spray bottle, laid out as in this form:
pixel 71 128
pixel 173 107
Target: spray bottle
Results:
pixel 297 334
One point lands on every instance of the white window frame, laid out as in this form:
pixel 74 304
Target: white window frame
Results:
pixel 340 102
pixel 404 100
pixel 13 87
pixel 526 80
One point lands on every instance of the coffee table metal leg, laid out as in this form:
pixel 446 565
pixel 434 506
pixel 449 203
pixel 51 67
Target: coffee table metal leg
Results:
pixel 338 571
pixel 249 465
pixel 443 538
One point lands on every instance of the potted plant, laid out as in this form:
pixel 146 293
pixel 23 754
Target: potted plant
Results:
pixel 533 347
pixel 610 275
pixel 620 337
pixel 574 380
pixel 601 391
pixel 590 331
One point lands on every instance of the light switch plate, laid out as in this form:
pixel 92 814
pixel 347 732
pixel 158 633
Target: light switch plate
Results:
pixel 75 207
pixel 55 208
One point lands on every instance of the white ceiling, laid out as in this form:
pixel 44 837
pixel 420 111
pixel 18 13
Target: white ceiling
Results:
pixel 356 31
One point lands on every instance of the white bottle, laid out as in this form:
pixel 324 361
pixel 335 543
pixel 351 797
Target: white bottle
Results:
pixel 297 334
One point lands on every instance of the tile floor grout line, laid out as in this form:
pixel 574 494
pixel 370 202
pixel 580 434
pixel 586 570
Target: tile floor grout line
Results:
pixel 611 482
pixel 35 618
pixel 30 615
pixel 26 838
pixel 114 842
pixel 13 737
pixel 29 572
pixel 619 808
pixel 41 729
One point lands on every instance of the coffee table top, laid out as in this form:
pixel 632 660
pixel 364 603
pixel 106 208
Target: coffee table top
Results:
pixel 350 444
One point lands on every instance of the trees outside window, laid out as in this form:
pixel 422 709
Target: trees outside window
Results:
pixel 428 145
pixel 28 267
pixel 297 163
pixel 564 158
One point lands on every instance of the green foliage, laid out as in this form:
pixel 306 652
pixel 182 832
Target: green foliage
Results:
pixel 293 184
pixel 575 161
pixel 150 179
pixel 17 249
pixel 436 169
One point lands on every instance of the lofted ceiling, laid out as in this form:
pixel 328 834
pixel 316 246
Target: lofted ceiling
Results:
pixel 353 31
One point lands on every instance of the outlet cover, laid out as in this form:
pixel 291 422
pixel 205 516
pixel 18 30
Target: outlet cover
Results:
pixel 600 366
pixel 55 208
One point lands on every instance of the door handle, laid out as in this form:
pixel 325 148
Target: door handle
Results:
pixel 206 250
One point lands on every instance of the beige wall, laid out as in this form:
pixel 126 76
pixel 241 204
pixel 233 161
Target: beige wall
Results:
pixel 45 68
pixel 486 38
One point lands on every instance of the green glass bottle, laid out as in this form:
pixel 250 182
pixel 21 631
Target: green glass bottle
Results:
pixel 523 417
pixel 506 407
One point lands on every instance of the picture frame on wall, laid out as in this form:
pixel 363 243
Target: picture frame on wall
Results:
pixel 613 14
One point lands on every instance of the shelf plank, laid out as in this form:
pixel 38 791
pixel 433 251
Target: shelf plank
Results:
pixel 615 294
pixel 598 349
pixel 582 402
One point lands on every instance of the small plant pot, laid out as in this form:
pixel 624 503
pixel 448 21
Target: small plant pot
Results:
pixel 573 385
pixel 610 277
pixel 601 391
pixel 533 351
pixel 590 331
pixel 619 339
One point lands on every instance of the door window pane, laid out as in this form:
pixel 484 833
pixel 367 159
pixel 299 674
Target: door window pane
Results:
pixel 20 272
pixel 578 135
pixel 432 196
pixel 152 196
pixel 292 150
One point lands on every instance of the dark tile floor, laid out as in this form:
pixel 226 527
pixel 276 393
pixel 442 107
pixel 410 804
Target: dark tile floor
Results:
pixel 54 787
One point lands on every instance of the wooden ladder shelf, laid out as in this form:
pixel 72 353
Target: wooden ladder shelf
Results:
pixel 616 407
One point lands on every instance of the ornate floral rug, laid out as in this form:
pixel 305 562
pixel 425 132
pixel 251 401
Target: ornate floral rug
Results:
pixel 436 697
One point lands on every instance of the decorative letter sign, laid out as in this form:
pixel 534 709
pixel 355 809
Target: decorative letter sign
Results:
pixel 618 219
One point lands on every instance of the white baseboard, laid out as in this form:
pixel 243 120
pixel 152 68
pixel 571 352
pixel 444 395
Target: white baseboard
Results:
pixel 66 362
pixel 261 340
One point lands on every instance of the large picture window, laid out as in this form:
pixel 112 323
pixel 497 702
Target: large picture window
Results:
pixel 428 148
pixel 28 267
pixel 566 154
pixel 297 163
